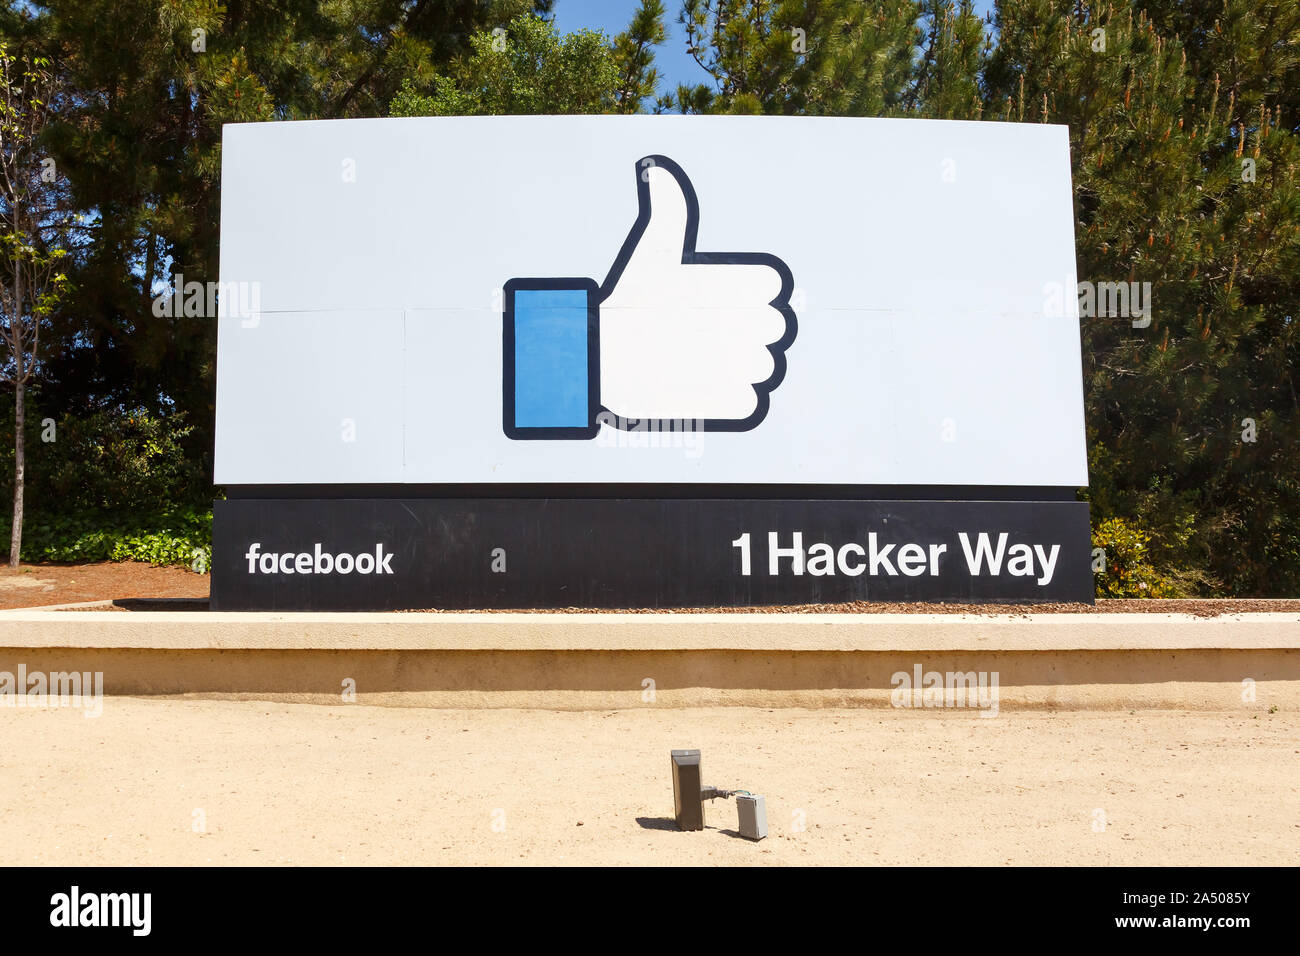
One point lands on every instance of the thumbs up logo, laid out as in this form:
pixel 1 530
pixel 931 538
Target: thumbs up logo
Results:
pixel 671 333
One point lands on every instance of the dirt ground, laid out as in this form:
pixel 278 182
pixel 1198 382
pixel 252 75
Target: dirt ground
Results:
pixel 177 782
pixel 35 585
pixel 134 583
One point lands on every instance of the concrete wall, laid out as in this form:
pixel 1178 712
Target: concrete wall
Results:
pixel 601 661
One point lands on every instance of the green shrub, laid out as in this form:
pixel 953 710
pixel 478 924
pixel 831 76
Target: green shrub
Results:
pixel 116 460
pixel 179 536
pixel 107 485
pixel 1128 572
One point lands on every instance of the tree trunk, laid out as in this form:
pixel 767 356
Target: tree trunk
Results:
pixel 20 463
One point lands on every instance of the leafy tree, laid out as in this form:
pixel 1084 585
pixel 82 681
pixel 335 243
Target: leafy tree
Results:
pixel 527 67
pixel 33 232
pixel 151 83
pixel 137 141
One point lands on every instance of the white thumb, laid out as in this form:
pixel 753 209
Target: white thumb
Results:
pixel 664 237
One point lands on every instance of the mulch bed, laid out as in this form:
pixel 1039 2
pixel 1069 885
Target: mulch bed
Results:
pixel 135 586
pixel 36 585
pixel 1200 607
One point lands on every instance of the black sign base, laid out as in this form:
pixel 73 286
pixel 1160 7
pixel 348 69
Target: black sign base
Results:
pixel 387 554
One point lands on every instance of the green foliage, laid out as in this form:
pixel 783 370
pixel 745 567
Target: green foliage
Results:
pixel 1187 176
pixel 33 227
pixel 634 56
pixel 178 536
pixel 1128 571
pixel 107 460
pixel 527 67
pixel 138 145
pixel 947 83
pixel 819 57
pixel 1194 420
pixel 109 485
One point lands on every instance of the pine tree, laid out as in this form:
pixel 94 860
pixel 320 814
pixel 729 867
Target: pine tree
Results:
pixel 634 54
pixel 1188 182
pixel 1182 119
pixel 789 57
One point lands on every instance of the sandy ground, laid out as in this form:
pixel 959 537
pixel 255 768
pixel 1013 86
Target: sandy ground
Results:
pixel 227 782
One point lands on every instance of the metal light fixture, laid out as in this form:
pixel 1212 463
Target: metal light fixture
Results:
pixel 688 803
pixel 689 794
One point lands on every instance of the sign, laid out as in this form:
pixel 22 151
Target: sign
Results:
pixel 805 300
pixel 610 347
pixel 340 554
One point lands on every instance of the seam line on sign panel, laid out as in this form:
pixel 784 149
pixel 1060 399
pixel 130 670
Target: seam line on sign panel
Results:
pixel 405 393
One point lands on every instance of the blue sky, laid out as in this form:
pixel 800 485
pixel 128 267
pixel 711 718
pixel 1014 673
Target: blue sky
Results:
pixel 612 16
pixel 674 63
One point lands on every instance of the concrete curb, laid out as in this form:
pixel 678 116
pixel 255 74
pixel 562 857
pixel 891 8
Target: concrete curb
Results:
pixel 1245 662
pixel 189 630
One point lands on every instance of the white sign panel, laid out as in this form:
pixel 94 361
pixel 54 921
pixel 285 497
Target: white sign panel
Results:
pixel 648 299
